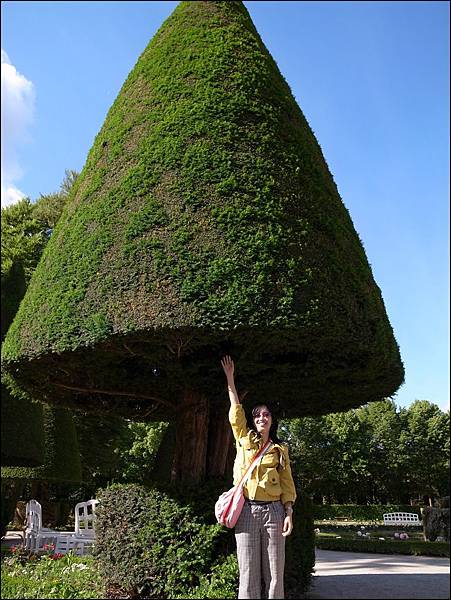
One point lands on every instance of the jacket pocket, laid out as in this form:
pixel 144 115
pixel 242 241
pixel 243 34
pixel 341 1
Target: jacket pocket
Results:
pixel 271 458
pixel 271 482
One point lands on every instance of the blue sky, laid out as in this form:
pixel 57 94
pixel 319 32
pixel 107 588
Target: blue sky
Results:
pixel 372 79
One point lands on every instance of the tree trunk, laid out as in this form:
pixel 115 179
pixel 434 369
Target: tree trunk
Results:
pixel 219 445
pixel 191 439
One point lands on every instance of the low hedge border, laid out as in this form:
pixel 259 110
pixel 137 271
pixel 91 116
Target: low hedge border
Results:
pixel 360 512
pixel 385 547
pixel 369 526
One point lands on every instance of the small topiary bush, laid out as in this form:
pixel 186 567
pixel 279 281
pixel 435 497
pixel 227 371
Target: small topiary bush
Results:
pixel 149 545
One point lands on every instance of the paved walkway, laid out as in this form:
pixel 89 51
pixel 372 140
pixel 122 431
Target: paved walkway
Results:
pixel 391 576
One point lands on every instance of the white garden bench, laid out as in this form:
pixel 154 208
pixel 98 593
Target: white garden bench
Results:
pixel 36 536
pixel 79 541
pixel 401 518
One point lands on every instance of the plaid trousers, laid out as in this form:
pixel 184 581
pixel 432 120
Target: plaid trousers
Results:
pixel 261 550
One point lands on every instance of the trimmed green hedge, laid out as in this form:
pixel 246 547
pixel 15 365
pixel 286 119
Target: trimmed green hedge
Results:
pixel 385 547
pixel 61 453
pixel 205 220
pixel 360 512
pixel 22 431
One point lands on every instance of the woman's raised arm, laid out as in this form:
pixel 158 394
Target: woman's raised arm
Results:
pixel 229 370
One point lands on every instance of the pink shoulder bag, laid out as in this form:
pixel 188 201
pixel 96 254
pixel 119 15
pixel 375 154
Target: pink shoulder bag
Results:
pixel 229 505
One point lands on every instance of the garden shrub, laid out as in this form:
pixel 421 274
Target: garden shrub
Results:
pixel 200 499
pixel 148 544
pixel 222 582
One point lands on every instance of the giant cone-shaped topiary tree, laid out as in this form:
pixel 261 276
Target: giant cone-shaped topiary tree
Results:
pixel 205 221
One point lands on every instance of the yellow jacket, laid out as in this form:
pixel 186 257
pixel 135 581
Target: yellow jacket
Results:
pixel 271 479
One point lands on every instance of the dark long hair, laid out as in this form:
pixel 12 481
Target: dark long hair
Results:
pixel 274 425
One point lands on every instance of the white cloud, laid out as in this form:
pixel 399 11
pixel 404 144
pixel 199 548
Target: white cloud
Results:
pixel 18 98
pixel 10 194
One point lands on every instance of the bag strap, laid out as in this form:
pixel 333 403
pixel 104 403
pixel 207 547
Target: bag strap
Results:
pixel 253 464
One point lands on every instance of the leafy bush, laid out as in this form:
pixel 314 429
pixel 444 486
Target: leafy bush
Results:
pixel 222 582
pixel 360 512
pixel 67 577
pixel 148 544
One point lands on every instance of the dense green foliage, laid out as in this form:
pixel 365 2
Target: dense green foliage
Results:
pixel 101 439
pixel 375 454
pixel 138 457
pixel 22 241
pixel 424 445
pixel 61 453
pixel 222 582
pixel 25 230
pixel 22 431
pixel 67 577
pixel 150 544
pixel 204 220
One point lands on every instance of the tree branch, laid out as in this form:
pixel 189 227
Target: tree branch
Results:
pixel 114 393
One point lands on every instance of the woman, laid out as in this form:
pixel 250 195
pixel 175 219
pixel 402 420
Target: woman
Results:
pixel 267 515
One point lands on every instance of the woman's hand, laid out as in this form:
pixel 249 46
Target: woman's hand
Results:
pixel 228 366
pixel 229 370
pixel 287 525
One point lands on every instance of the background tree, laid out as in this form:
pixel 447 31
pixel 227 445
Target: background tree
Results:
pixel 101 440
pixel 385 479
pixel 204 221
pixel 373 454
pixel 424 449
pixel 350 444
pixel 138 455
pixel 311 453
